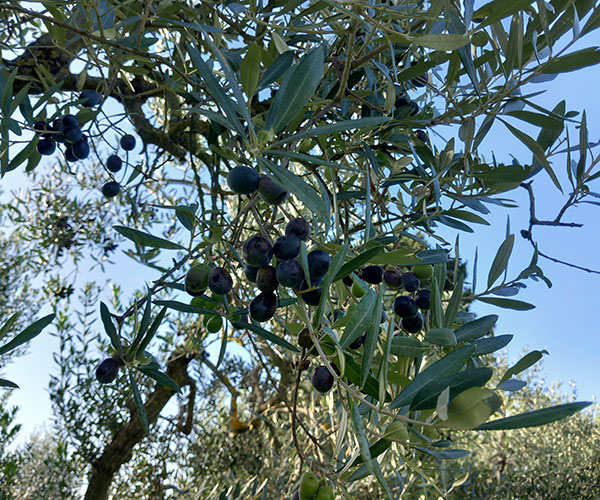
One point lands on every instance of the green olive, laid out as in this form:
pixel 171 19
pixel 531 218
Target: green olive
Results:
pixel 309 484
pixel 325 493
pixel 196 280
pixel 423 271
pixel 213 323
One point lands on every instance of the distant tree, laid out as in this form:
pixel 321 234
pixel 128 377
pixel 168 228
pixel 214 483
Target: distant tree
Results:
pixel 8 431
pixel 45 471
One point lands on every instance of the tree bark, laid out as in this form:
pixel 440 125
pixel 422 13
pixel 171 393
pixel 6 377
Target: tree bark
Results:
pixel 119 450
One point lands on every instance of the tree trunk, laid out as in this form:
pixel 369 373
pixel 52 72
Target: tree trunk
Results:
pixel 119 450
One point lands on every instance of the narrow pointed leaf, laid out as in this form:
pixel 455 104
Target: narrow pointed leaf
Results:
pixel 277 68
pixel 6 327
pixel 441 405
pixel 8 383
pixel 501 260
pixel 250 68
pixel 407 347
pixel 448 365
pixel 536 417
pixel 360 320
pixel 454 303
pixel 441 336
pixel 341 126
pixel 300 188
pixel 109 326
pixel 426 398
pixel 365 451
pixel 517 305
pixel 376 449
pixel 265 334
pixel 139 404
pixel 152 330
pixel 372 337
pixel 442 41
pixel 28 333
pixel 334 268
pixel 512 384
pixel 146 239
pixel 537 151
pixel 573 61
pixel 160 377
pixel 234 83
pixel 356 262
pixel 223 349
pixel 525 362
pixel 498 9
pixel 183 307
pixel 491 344
pixel 230 107
pixel 144 324
pixel 298 86
pixel 352 372
pixel 476 328
pixel 361 436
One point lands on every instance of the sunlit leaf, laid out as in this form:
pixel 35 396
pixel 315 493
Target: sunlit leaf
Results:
pixel 471 408
pixel 501 260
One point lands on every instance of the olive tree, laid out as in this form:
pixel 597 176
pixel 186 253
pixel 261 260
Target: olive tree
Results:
pixel 203 138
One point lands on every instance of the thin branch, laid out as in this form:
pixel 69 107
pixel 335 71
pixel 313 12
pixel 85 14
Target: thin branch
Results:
pixel 99 39
pixel 534 221
pixel 558 261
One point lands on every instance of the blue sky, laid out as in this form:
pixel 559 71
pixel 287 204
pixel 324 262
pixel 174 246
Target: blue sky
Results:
pixel 564 320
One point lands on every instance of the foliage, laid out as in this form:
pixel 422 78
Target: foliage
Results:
pixel 368 120
pixel 44 457
pixel 9 430
pixel 560 460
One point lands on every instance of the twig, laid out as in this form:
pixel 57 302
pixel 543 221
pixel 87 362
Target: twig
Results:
pixel 294 414
pixel 534 221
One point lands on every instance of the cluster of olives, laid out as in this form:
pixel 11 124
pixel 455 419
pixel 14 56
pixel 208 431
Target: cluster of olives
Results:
pixel 246 180
pixel 405 306
pixel 322 379
pixel 311 489
pixel 114 164
pixel 202 276
pixel 258 253
pixel 65 130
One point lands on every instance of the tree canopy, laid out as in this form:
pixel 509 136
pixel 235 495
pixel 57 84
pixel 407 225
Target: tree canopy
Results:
pixel 282 174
